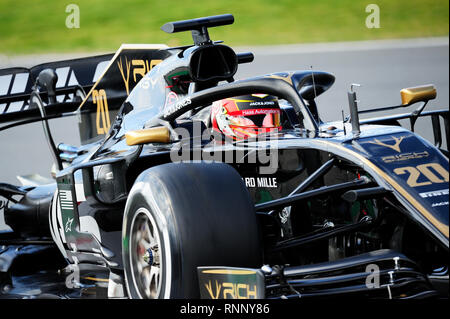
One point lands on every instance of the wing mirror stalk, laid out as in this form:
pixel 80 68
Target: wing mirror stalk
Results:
pixel 410 96
pixel 46 80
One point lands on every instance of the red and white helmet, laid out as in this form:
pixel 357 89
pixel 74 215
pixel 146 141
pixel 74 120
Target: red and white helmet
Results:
pixel 246 116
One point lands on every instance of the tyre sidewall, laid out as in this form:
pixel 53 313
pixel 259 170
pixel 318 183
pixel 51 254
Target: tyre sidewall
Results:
pixel 163 222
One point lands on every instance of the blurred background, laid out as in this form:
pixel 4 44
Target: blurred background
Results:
pixel 408 47
pixel 38 26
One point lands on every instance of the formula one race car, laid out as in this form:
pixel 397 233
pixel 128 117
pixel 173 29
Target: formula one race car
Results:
pixel 190 184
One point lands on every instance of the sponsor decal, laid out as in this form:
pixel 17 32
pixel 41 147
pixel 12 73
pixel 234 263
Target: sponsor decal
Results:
pixel 68 227
pixel 139 67
pixel 440 204
pixel 440 192
pixel 176 107
pixel 258 111
pixel 65 198
pixel 230 290
pixel 395 146
pixel 404 157
pixel 268 182
pixel 230 283
pixel 126 78
pixel 262 103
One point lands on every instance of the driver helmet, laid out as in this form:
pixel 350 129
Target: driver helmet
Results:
pixel 246 116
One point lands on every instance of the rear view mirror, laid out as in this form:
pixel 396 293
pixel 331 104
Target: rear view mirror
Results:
pixel 422 93
pixel 47 80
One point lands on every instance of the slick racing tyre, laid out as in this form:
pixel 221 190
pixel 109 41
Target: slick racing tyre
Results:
pixel 180 216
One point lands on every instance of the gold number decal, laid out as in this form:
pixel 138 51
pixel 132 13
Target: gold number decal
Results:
pixel 415 173
pixel 425 169
pixel 413 176
pixel 99 98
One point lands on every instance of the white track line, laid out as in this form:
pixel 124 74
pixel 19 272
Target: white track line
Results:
pixel 348 46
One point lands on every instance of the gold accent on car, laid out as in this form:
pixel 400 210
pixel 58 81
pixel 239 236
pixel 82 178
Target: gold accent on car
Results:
pixel 149 135
pixel 102 121
pixel 229 272
pixel 395 147
pixel 118 52
pixel 126 79
pixel 418 93
pixel 96 279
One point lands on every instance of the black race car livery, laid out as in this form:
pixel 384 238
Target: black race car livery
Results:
pixel 155 204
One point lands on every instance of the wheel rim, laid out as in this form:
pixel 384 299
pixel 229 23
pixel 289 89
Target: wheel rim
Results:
pixel 146 255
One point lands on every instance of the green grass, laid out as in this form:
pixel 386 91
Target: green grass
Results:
pixel 37 26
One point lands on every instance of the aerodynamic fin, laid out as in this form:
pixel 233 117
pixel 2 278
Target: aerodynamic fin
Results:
pixel 16 85
pixel 125 69
pixel 105 81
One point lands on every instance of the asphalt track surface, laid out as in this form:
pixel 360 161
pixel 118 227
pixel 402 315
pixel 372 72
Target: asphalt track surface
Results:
pixel 381 67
